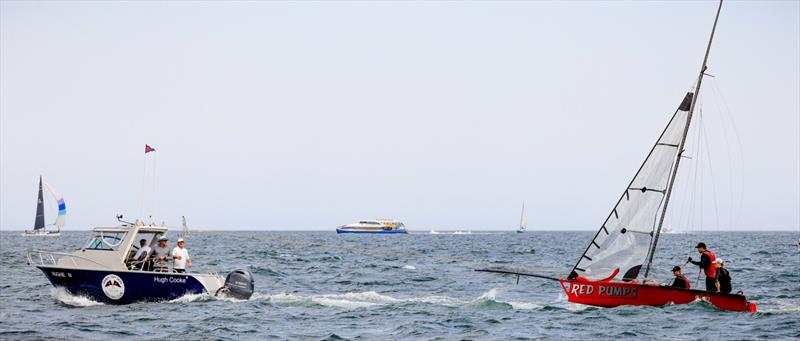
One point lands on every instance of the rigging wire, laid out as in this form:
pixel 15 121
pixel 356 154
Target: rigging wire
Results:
pixel 704 136
pixel 727 117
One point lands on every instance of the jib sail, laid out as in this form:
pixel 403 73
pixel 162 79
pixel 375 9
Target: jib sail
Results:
pixel 620 248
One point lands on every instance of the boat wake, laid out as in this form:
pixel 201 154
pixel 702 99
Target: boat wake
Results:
pixel 355 300
pixel 63 297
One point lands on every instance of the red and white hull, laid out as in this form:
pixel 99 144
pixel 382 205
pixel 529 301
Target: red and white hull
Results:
pixel 613 294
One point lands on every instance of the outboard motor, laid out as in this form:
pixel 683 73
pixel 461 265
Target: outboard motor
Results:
pixel 239 285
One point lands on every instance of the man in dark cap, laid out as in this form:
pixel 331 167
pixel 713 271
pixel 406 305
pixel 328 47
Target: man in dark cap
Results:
pixel 680 280
pixel 707 263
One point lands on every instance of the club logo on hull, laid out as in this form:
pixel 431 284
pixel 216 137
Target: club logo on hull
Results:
pixel 113 287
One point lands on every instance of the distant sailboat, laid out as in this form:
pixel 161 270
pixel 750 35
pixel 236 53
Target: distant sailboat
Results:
pixel 670 230
pixel 39 225
pixel 185 230
pixel 523 220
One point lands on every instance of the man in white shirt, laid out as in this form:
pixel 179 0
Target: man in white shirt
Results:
pixel 180 257
pixel 144 250
pixel 141 256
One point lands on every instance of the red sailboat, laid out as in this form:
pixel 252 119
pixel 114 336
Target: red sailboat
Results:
pixel 608 272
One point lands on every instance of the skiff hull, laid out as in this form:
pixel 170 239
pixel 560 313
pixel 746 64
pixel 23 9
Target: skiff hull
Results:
pixel 614 294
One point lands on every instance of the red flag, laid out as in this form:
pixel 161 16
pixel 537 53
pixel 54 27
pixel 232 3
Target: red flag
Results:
pixel 148 149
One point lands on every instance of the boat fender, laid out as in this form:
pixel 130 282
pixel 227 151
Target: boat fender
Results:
pixel 239 284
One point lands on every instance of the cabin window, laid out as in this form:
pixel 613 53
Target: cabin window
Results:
pixel 105 241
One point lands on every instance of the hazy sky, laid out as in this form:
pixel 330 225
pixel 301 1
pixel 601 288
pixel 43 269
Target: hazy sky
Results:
pixel 308 115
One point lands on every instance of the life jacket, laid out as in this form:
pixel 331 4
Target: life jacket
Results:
pixel 711 270
pixel 686 280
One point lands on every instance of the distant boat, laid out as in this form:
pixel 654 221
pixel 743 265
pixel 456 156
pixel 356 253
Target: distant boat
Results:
pixel 185 230
pixel 38 224
pixel 670 230
pixel 377 226
pixel 523 220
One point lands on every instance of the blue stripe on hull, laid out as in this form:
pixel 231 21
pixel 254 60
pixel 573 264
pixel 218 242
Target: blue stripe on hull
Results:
pixel 139 286
pixel 340 231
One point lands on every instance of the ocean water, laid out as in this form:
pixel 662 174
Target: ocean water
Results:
pixel 323 286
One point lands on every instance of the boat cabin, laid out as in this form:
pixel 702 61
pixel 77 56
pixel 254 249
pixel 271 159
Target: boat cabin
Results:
pixel 113 248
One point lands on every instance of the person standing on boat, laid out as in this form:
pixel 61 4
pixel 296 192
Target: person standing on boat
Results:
pixel 181 257
pixel 723 278
pixel 707 263
pixel 161 255
pixel 680 280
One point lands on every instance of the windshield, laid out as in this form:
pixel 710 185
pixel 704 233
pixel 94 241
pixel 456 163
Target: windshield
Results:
pixel 105 240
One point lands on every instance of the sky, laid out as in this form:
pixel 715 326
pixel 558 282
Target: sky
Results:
pixel 446 115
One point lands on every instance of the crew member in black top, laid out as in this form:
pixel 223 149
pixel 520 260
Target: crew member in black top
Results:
pixel 723 278
pixel 680 280
pixel 708 265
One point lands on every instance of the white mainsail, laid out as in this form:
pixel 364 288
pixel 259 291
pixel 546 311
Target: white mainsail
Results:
pixel 185 230
pixel 523 220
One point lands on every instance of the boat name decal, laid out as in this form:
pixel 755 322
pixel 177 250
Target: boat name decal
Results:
pixel 602 290
pixel 113 286
pixel 166 279
pixel 60 274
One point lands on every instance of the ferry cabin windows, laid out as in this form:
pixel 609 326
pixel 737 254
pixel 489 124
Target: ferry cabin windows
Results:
pixel 105 240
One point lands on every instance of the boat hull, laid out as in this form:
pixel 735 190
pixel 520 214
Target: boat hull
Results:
pixel 41 234
pixel 370 231
pixel 123 287
pixel 614 294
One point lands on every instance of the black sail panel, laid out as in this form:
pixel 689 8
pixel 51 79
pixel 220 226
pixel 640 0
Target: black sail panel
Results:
pixel 39 222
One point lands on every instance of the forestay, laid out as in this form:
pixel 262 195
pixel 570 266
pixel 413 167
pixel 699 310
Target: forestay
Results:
pixel 620 247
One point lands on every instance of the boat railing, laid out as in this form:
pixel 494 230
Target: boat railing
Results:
pixel 47 258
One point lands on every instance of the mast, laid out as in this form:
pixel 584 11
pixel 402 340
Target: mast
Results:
pixel 683 142
pixel 38 224
pixel 522 221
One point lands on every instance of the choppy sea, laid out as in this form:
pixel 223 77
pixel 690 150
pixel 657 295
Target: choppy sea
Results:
pixel 421 286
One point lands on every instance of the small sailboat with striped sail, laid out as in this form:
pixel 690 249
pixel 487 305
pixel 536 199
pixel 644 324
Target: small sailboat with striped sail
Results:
pixel 39 229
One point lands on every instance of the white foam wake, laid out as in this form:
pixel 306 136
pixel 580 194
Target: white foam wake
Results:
pixel 65 297
pixel 355 300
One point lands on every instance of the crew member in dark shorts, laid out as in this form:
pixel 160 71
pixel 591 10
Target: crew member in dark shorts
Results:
pixel 680 280
pixel 707 263
pixel 723 278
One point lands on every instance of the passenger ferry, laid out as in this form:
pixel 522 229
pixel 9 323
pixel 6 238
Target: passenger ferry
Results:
pixel 105 270
pixel 385 226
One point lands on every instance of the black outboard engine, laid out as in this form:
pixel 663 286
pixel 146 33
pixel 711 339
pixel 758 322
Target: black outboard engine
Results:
pixel 239 285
